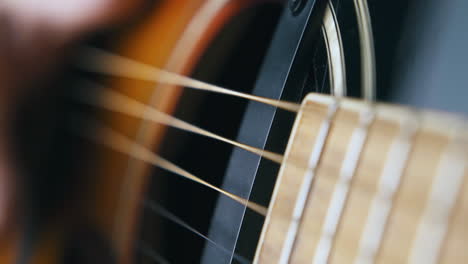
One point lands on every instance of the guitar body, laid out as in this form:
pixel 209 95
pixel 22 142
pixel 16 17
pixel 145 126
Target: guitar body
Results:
pixel 181 32
pixel 111 212
pixel 281 51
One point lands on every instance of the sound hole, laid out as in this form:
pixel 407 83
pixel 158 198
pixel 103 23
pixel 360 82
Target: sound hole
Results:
pixel 232 60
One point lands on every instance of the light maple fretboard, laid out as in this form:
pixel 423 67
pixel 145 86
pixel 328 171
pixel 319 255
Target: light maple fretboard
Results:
pixel 369 184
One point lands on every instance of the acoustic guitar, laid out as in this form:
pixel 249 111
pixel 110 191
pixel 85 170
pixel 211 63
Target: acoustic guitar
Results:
pixel 241 131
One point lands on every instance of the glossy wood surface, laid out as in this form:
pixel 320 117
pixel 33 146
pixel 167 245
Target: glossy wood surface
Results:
pixel 172 36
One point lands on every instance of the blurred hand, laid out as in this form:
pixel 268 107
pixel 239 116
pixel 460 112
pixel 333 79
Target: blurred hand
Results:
pixel 33 34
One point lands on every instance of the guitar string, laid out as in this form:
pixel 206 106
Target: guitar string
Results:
pixel 160 210
pixel 142 108
pixel 100 61
pixel 104 62
pixel 137 156
pixel 121 103
pixel 172 79
pixel 364 188
pixel 107 136
pixel 196 232
pixel 118 102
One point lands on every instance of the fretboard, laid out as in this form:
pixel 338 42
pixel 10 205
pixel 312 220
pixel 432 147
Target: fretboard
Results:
pixel 365 183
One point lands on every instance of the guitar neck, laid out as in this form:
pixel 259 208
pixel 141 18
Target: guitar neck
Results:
pixel 369 183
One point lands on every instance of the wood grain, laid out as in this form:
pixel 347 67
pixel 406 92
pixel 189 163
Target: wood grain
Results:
pixel 289 182
pixel 428 137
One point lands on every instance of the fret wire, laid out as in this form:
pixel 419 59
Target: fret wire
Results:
pixel 105 62
pixel 406 121
pixel 158 209
pixel 382 202
pixel 341 192
pixel 118 102
pixel 151 253
pixel 108 137
pixel 306 186
pixel 445 189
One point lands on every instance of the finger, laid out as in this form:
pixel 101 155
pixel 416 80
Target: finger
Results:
pixel 91 15
pixel 67 19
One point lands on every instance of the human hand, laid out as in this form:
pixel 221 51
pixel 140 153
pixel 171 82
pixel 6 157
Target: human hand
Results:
pixel 33 34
